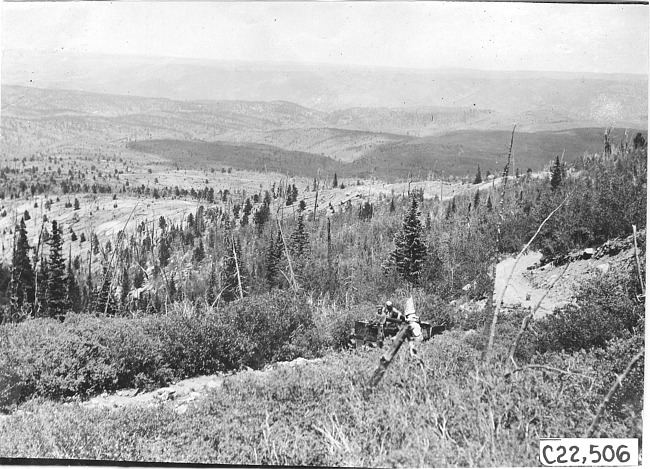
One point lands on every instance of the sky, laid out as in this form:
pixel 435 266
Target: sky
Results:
pixel 430 35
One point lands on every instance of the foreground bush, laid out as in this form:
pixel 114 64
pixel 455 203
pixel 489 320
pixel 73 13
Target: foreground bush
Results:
pixel 86 355
pixel 453 413
pixel 606 308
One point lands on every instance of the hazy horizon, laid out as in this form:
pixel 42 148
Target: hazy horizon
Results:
pixel 564 38
pixel 325 65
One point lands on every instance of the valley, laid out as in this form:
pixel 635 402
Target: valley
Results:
pixel 206 256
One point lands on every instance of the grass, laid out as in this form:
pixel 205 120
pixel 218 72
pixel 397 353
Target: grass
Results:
pixel 454 413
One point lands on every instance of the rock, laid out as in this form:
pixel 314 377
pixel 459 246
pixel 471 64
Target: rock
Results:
pixel 603 268
pixel 588 253
pixel 213 384
pixel 181 409
pixel 119 393
pixel 104 394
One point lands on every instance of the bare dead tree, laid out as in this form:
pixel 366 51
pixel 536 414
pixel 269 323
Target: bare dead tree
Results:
pixel 638 264
pixel 234 254
pixel 292 280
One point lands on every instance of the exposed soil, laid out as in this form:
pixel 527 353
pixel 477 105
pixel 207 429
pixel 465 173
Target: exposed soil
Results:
pixel 530 281
pixel 180 395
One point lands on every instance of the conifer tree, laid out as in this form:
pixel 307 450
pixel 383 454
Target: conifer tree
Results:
pixel 391 209
pixel 263 214
pixel 105 302
pixel 248 208
pixel 56 284
pixel 478 179
pixel 211 290
pixel 164 252
pixel 299 240
pixel 22 273
pixel 125 288
pixel 489 202
pixel 410 251
pixel 335 184
pixel 365 211
pixel 73 293
pixel 199 252
pixel 477 200
pixel 199 222
pixel 41 290
pixel 273 259
pixel 556 174
pixel 639 141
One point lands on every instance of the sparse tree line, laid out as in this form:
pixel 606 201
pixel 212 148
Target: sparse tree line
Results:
pixel 223 253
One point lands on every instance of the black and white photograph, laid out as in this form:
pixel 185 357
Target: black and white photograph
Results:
pixel 323 234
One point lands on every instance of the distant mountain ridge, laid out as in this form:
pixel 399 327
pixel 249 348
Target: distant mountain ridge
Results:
pixel 579 99
pixel 387 143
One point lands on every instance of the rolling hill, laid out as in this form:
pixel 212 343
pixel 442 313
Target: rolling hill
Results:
pixel 459 152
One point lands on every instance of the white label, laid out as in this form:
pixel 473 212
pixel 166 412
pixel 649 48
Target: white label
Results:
pixel 581 452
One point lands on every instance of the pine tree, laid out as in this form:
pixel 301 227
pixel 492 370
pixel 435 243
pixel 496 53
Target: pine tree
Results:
pixel 56 286
pixel 73 293
pixel 76 204
pixel 365 211
pixel 105 302
pixel 41 290
pixel 164 252
pixel 248 208
pixel 211 290
pixel 273 259
pixel 263 214
pixel 125 288
pixel 199 252
pixel 22 273
pixel 299 240
pixel 335 184
pixel 478 179
pixel 410 251
pixel 556 174
pixel 639 141
pixel 489 202
pixel 391 209
pixel 477 200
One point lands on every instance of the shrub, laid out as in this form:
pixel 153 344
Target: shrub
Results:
pixel 86 355
pixel 605 309
pixel 268 328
